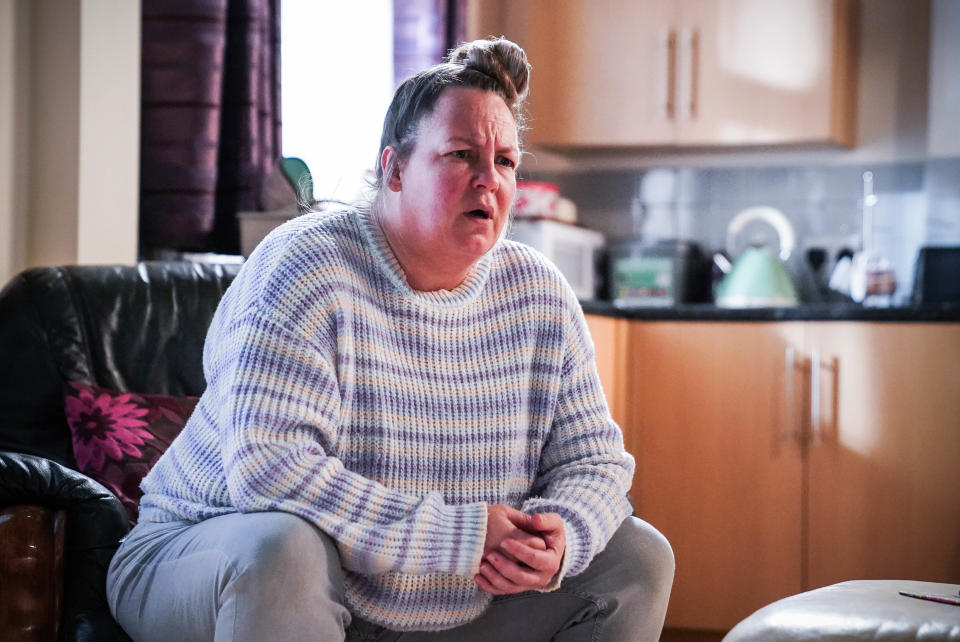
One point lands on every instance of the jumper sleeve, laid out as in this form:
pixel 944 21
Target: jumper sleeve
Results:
pixel 280 412
pixel 585 472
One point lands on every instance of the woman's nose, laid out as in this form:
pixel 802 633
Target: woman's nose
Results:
pixel 485 174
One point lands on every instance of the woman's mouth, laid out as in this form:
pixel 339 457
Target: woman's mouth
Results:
pixel 480 215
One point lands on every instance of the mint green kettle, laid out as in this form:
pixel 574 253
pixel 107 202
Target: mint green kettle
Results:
pixel 758 278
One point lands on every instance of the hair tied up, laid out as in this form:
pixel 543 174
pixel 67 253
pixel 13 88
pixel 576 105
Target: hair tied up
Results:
pixel 499 59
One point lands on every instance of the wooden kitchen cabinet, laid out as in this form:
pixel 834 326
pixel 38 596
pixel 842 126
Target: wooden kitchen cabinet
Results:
pixel 884 453
pixel 718 463
pixel 615 73
pixel 781 457
pixel 943 125
pixel 599 67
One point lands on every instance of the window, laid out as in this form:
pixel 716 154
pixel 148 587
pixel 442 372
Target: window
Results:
pixel 336 83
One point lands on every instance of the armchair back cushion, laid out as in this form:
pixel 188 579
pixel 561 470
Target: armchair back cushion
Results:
pixel 129 328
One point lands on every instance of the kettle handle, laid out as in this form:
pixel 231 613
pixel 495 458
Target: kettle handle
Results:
pixel 772 216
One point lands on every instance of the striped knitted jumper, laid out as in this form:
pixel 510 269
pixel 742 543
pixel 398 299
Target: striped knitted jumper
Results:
pixel 390 418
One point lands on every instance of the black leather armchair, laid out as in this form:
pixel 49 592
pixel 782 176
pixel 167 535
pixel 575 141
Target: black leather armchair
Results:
pixel 131 328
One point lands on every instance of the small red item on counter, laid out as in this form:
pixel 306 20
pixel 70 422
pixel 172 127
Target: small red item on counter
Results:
pixel 536 199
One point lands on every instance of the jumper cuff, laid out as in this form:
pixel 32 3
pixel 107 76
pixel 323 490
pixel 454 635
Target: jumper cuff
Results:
pixel 461 532
pixel 571 552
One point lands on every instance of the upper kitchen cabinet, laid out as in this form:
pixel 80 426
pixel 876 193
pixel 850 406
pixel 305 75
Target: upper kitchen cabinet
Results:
pixel 638 73
pixel 601 68
pixel 943 130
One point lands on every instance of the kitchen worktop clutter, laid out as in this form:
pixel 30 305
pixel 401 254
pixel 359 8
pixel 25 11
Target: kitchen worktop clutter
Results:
pixel 655 266
pixel 843 236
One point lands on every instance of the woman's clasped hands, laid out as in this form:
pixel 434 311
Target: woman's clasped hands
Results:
pixel 521 552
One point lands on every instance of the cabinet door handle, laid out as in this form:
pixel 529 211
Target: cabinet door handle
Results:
pixel 790 361
pixel 694 73
pixel 683 70
pixel 667 85
pixel 663 77
pixel 690 84
pixel 814 394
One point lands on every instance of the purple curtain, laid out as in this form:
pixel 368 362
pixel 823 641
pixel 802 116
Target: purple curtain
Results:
pixel 423 32
pixel 210 119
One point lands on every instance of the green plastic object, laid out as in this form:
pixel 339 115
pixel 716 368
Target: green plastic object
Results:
pixel 756 280
pixel 297 173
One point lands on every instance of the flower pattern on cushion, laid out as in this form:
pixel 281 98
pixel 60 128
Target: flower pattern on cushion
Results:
pixel 118 436
pixel 103 426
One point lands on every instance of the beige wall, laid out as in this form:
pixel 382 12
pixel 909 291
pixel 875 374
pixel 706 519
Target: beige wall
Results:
pixel 109 190
pixel 69 132
pixel 14 135
pixel 54 133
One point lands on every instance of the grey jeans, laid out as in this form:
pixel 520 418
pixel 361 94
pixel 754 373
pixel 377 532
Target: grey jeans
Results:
pixel 275 577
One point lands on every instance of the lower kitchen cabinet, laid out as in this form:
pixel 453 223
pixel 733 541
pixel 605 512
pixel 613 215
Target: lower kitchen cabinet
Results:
pixel 782 456
pixel 884 453
pixel 718 471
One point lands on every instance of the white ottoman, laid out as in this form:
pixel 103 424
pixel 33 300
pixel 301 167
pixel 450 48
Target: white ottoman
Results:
pixel 857 610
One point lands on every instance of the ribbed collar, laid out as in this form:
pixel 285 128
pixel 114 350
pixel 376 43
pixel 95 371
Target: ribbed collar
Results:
pixel 376 242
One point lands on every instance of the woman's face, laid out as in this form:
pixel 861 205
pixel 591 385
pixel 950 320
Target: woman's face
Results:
pixel 454 192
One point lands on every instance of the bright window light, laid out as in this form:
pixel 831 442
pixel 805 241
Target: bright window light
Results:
pixel 337 81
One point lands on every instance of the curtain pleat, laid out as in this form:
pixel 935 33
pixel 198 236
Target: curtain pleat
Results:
pixel 423 32
pixel 210 114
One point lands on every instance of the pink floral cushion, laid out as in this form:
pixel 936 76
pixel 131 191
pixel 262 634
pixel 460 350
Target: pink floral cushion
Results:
pixel 118 436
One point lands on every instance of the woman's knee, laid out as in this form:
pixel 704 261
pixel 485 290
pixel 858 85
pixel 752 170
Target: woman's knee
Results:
pixel 284 545
pixel 287 582
pixel 645 566
pixel 649 550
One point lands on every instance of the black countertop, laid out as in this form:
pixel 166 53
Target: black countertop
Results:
pixel 943 312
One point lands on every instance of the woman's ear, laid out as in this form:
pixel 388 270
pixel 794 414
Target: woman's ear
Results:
pixel 390 166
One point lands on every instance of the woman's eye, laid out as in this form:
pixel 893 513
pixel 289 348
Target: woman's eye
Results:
pixel 460 153
pixel 506 162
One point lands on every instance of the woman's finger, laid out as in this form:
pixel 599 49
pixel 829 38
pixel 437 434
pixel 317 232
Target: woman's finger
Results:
pixel 546 522
pixel 520 578
pixel 526 539
pixel 486 585
pixel 550 526
pixel 539 560
pixel 489 572
pixel 519 519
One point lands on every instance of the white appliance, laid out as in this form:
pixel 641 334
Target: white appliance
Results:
pixel 571 248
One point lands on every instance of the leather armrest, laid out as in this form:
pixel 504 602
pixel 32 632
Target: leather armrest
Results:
pixel 31 571
pixel 95 522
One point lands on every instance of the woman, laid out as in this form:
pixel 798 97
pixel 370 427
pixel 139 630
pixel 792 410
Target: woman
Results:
pixel 403 434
